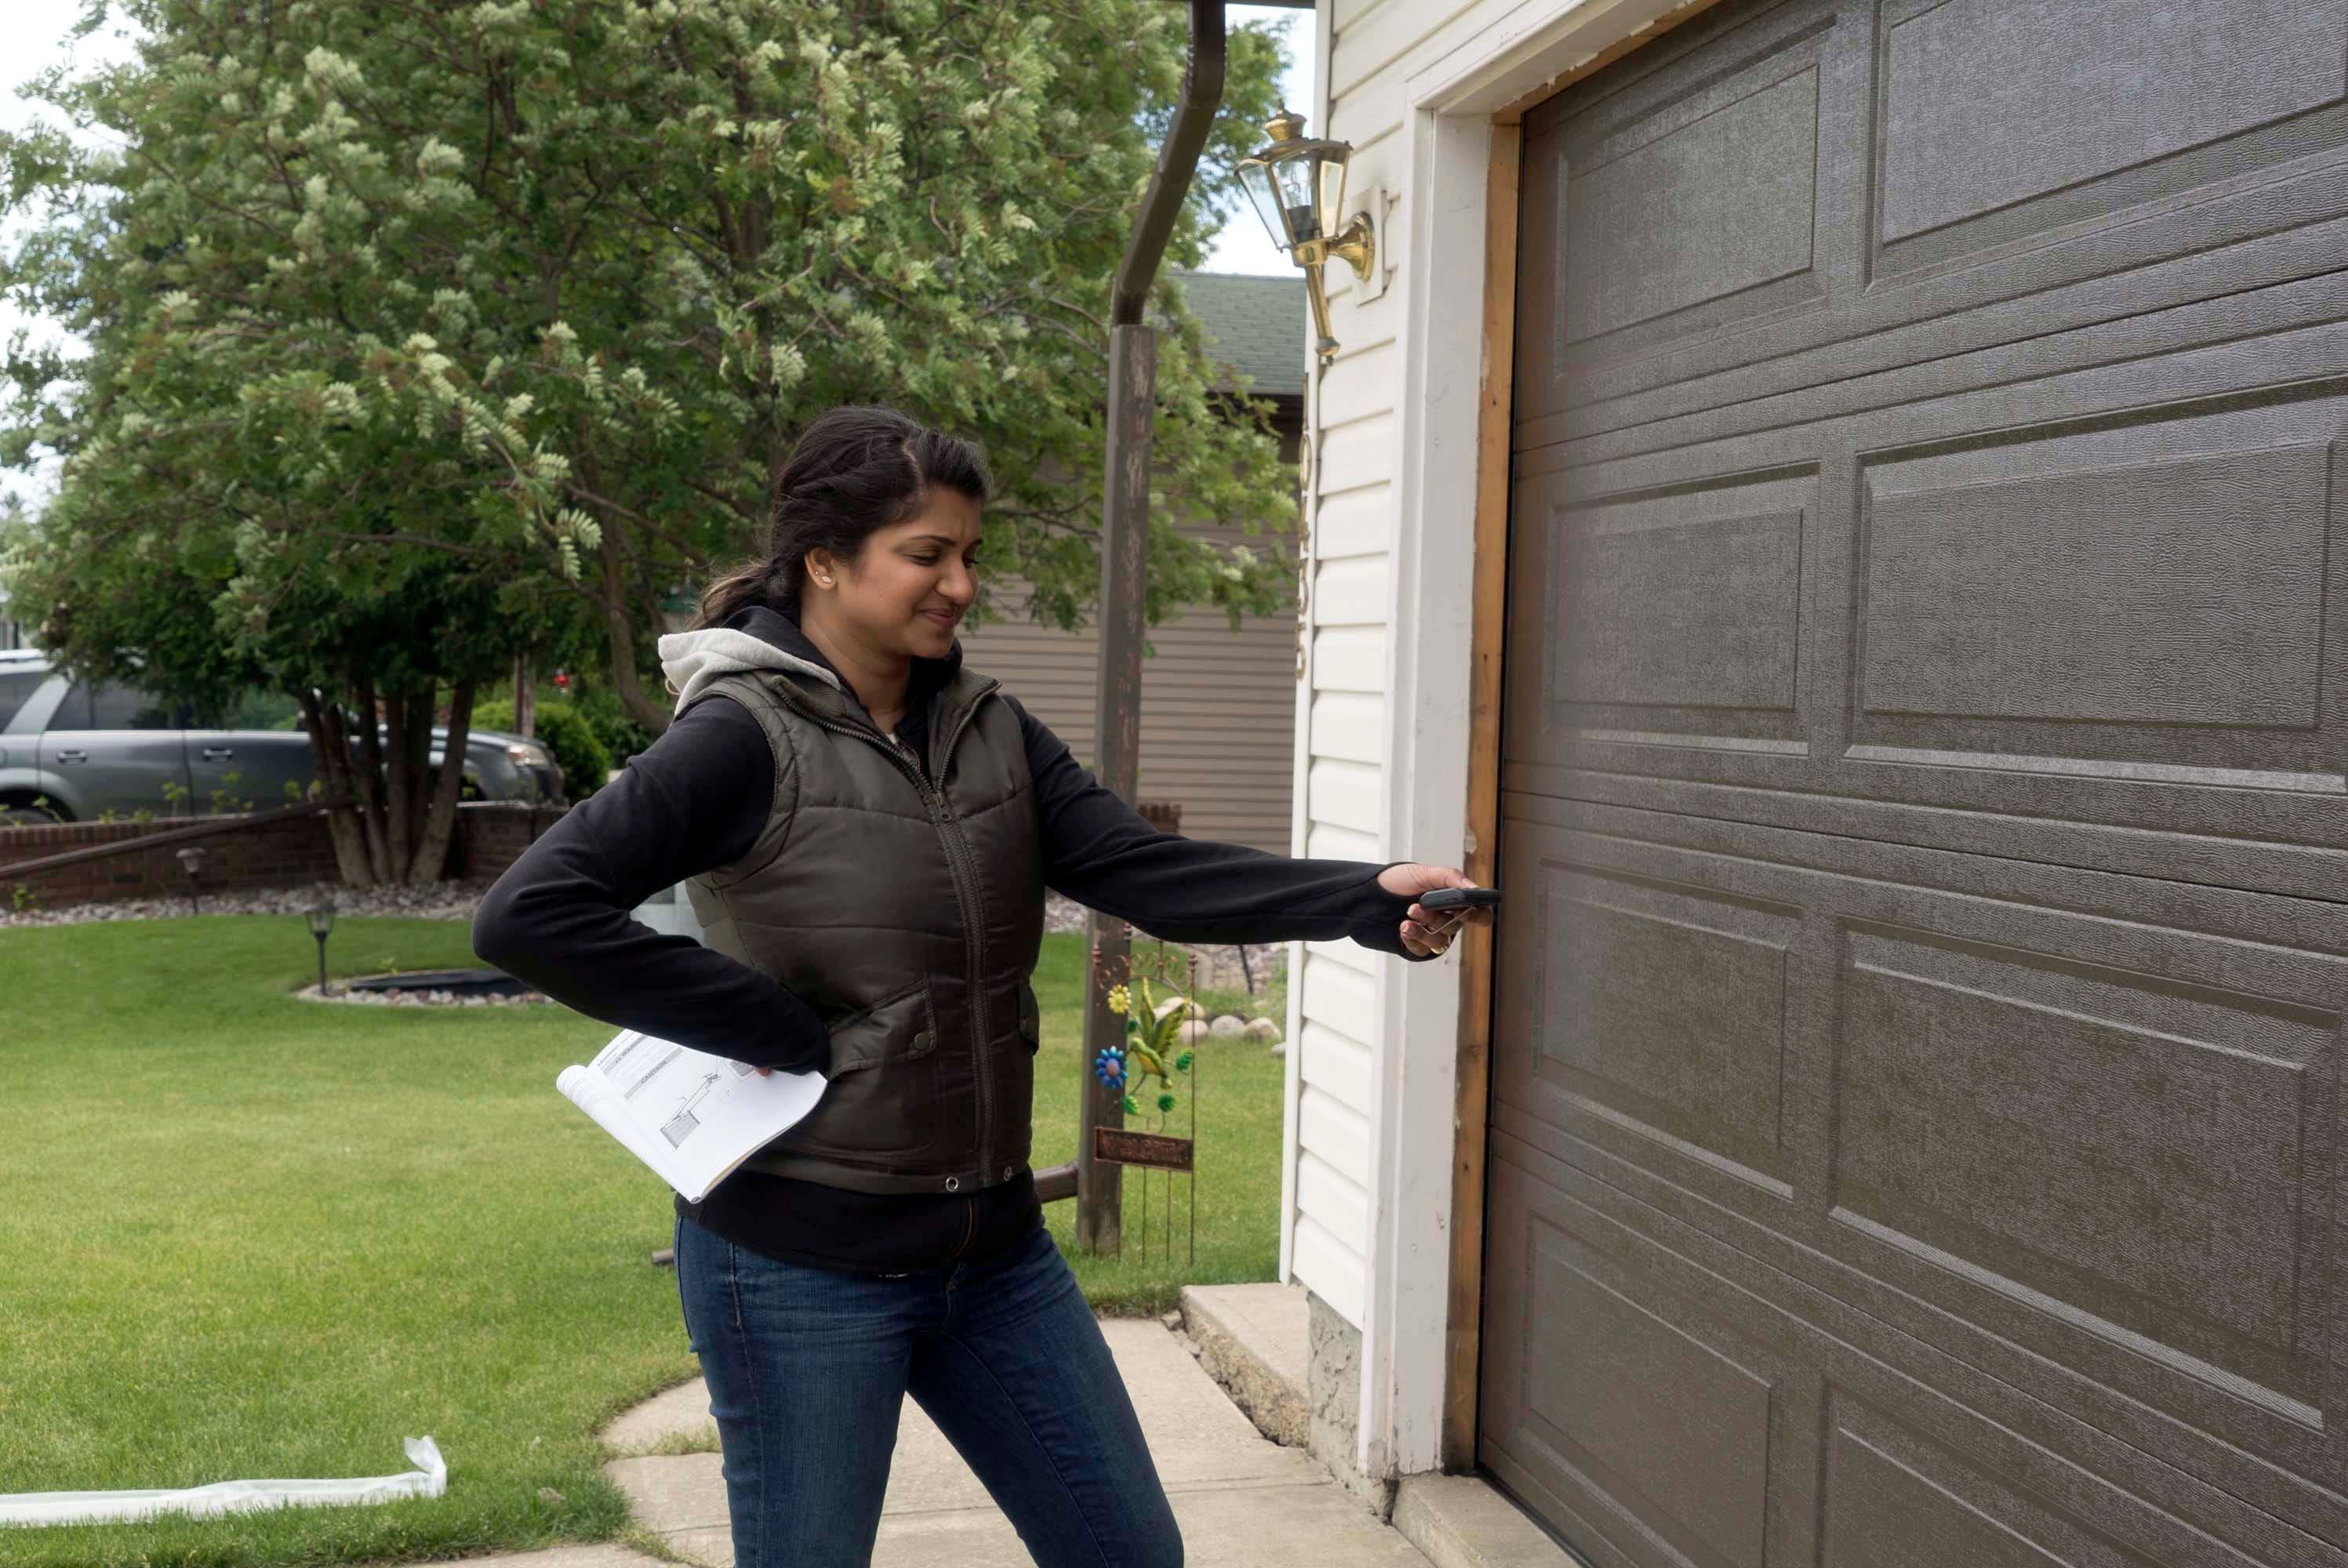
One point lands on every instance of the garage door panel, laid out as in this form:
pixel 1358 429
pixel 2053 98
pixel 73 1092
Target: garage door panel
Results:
pixel 2243 848
pixel 2281 842
pixel 2270 940
pixel 2283 342
pixel 2275 232
pixel 1994 1107
pixel 2036 212
pixel 1613 587
pixel 1674 1440
pixel 1733 160
pixel 2069 112
pixel 1890 1494
pixel 1734 154
pixel 2115 1468
pixel 2110 1144
pixel 2146 593
pixel 2106 620
pixel 1866 1465
pixel 2143 598
pixel 2093 1392
pixel 1657 1014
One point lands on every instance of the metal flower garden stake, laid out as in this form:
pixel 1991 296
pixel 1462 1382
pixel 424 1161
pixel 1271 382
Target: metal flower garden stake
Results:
pixel 1153 1049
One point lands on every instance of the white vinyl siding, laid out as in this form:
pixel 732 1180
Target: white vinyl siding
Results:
pixel 1358 426
pixel 1341 727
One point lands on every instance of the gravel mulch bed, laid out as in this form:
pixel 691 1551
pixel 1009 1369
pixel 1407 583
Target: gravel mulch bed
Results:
pixel 446 901
pixel 408 999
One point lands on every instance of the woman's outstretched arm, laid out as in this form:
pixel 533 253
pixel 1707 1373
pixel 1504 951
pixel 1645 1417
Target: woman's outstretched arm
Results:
pixel 1100 852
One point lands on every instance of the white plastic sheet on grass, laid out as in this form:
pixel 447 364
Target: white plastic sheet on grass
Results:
pixel 430 1478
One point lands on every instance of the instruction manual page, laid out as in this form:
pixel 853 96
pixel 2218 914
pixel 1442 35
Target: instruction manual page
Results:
pixel 691 1116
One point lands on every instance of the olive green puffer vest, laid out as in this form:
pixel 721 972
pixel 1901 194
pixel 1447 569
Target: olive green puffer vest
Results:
pixel 908 910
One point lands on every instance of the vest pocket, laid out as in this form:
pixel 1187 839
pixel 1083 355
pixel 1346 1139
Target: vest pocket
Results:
pixel 1030 1017
pixel 880 1102
pixel 893 1029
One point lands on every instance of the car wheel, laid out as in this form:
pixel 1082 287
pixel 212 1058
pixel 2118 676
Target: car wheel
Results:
pixel 28 815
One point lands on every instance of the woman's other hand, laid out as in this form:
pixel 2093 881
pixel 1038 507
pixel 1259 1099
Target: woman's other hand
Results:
pixel 1427 932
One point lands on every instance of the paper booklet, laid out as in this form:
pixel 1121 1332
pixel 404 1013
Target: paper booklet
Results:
pixel 691 1116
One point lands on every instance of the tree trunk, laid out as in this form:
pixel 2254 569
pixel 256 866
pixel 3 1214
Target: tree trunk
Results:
pixel 432 846
pixel 398 786
pixel 419 767
pixel 525 698
pixel 331 760
pixel 622 633
pixel 371 780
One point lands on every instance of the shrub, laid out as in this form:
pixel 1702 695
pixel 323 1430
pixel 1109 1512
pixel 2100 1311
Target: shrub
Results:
pixel 622 736
pixel 571 740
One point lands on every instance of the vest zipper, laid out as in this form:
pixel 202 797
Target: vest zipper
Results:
pixel 965 876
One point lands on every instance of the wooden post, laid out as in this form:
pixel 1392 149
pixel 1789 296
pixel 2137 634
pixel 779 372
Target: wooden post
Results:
pixel 1125 563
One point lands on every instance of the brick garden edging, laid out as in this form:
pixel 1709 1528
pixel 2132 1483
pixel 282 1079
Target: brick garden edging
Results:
pixel 271 852
pixel 492 834
pixel 281 853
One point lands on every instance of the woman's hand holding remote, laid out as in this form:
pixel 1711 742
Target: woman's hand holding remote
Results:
pixel 1427 932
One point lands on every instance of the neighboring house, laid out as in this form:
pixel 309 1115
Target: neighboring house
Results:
pixel 1218 706
pixel 1898 1116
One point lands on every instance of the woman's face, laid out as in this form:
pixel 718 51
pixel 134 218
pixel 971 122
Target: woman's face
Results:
pixel 907 591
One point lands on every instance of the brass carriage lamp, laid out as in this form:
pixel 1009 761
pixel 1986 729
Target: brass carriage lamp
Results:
pixel 1298 186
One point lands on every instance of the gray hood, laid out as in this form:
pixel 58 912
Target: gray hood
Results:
pixel 691 659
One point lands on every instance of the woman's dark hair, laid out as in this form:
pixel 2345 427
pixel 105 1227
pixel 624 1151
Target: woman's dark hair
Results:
pixel 850 472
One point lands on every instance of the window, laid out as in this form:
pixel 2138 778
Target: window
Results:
pixel 111 706
pixel 15 686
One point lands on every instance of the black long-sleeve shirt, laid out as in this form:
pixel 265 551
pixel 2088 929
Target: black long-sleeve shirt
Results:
pixel 696 799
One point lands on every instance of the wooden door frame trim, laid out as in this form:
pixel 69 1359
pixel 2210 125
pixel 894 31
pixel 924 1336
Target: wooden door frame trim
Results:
pixel 1422 1331
pixel 1463 1334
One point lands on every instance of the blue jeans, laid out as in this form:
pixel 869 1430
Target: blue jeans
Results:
pixel 808 1369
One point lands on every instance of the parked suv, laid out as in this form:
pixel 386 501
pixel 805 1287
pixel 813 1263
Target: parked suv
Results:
pixel 72 750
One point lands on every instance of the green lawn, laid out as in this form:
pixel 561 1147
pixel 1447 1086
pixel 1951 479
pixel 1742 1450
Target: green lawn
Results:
pixel 252 1236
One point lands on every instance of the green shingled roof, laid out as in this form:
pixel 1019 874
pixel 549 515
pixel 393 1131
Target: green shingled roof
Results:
pixel 1257 326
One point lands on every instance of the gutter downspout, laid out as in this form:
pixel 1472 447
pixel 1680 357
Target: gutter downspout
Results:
pixel 1124 556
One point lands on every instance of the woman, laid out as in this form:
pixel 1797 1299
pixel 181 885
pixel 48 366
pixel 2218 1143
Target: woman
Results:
pixel 867 829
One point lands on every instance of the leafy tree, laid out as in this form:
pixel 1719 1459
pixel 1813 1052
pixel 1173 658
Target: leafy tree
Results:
pixel 422 332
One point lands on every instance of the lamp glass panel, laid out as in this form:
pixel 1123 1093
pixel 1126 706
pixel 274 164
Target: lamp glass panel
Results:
pixel 1333 194
pixel 1295 177
pixel 1257 179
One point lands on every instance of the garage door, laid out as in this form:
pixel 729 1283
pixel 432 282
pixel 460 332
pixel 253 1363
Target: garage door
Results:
pixel 1916 1107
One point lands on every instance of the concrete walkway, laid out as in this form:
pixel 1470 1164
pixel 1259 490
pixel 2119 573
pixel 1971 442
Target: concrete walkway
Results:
pixel 1242 1501
pixel 1253 1340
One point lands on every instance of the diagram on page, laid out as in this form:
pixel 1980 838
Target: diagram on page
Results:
pixel 682 1120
